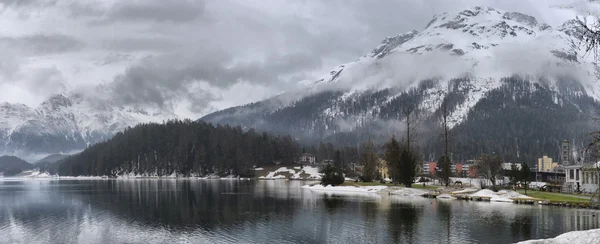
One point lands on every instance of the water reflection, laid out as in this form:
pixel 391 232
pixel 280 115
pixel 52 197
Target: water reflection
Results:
pixel 231 211
pixel 403 222
pixel 520 228
pixel 333 203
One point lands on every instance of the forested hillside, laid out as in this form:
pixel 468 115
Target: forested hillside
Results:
pixel 183 147
pixel 11 165
pixel 522 119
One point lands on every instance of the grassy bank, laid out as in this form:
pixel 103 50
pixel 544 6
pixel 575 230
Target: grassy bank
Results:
pixel 556 197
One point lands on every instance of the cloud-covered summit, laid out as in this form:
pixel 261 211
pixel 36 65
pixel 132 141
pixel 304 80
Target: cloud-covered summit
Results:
pixel 194 57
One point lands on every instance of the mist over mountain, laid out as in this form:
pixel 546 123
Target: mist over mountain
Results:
pixel 64 124
pixel 516 86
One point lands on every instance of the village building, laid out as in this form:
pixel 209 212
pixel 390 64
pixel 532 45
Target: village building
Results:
pixel 307 159
pixel 431 168
pixel 506 166
pixel 383 169
pixel 573 177
pixel 590 178
pixel 545 164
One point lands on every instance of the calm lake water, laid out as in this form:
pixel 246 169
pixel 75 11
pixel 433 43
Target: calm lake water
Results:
pixel 231 211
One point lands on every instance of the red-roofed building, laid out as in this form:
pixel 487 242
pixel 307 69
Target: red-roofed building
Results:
pixel 432 168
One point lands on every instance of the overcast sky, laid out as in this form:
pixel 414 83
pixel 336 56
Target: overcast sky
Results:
pixel 198 56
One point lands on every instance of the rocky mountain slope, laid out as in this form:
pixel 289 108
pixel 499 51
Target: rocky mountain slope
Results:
pixel 515 86
pixel 64 124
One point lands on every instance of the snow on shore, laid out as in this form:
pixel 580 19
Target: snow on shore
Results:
pixel 468 190
pixel 409 192
pixel 306 172
pixel 35 174
pixel 500 196
pixel 361 189
pixel 579 237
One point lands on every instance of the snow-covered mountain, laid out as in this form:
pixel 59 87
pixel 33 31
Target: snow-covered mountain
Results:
pixel 64 124
pixel 515 85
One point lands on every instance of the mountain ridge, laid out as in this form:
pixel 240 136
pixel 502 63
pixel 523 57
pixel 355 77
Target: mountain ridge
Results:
pixel 64 124
pixel 463 56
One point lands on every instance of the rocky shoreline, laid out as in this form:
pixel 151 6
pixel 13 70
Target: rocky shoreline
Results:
pixel 527 201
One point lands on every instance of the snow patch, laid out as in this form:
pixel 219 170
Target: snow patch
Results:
pixel 580 237
pixel 500 196
pixel 361 189
pixel 296 173
pixel 468 190
pixel 445 196
pixel 408 192
pixel 35 174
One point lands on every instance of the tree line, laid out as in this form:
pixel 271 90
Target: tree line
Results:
pixel 185 147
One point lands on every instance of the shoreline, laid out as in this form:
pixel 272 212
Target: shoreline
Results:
pixel 438 193
pixel 463 196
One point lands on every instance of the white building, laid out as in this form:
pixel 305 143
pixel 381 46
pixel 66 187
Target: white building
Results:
pixel 590 177
pixel 584 178
pixel 307 158
pixel 506 166
pixel 572 178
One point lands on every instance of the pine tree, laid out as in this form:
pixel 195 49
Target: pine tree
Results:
pixel 525 176
pixel 369 160
pixel 408 165
pixel 332 176
pixel 445 170
pixel 392 157
pixel 445 161
pixel 514 175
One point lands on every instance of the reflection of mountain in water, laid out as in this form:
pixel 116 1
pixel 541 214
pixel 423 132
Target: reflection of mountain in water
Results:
pixel 215 211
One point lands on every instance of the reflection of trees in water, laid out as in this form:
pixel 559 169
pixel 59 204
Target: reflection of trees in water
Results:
pixel 38 217
pixel 403 221
pixel 520 228
pixel 184 203
pixel 369 211
pixel 445 214
pixel 333 203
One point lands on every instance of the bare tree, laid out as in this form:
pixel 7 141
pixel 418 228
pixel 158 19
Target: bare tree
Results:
pixel 590 36
pixel 369 160
pixel 409 156
pixel 445 161
pixel 409 115
pixel 490 168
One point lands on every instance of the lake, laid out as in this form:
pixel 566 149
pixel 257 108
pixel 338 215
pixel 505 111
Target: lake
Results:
pixel 251 211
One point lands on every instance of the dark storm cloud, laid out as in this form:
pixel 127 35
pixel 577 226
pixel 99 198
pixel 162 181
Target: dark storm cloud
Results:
pixel 46 79
pixel 42 43
pixel 291 45
pixel 114 58
pixel 154 10
pixel 28 3
pixel 140 44
pixel 204 49
pixel 157 80
pixel 83 9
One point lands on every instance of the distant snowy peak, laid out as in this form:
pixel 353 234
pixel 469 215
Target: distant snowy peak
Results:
pixel 475 36
pixel 480 30
pixel 56 102
pixel 66 123
pixel 390 43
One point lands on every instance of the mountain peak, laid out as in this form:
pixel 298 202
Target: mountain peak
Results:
pixel 390 43
pixel 479 20
pixel 57 101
